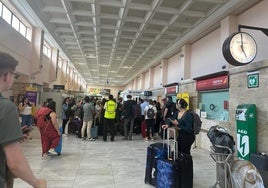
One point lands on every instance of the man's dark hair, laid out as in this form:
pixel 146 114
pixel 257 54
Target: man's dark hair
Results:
pixel 111 97
pixel 87 99
pixel 7 63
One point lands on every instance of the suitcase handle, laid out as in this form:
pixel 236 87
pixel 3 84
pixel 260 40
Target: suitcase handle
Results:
pixel 169 140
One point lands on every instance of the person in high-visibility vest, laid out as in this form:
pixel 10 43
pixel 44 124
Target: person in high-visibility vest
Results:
pixel 109 118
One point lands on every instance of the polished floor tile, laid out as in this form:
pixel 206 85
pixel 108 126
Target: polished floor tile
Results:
pixel 98 164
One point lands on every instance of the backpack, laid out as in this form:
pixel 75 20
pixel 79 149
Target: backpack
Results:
pixel 197 123
pixel 220 136
pixel 150 113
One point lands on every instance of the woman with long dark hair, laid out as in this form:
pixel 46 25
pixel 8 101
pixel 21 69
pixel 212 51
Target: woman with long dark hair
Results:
pixel 49 129
pixel 25 108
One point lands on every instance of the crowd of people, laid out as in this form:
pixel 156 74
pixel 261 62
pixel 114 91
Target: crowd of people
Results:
pixel 111 116
pixel 114 116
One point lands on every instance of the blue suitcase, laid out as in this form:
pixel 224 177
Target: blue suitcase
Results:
pixel 155 152
pixel 177 170
pixel 94 132
pixel 59 147
pixel 168 168
pixel 167 174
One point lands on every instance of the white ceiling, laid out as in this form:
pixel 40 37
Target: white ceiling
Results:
pixel 117 40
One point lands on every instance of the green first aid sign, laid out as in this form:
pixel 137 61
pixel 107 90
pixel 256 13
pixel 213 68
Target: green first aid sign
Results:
pixel 253 80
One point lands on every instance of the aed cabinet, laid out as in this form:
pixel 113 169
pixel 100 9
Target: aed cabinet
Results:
pixel 246 119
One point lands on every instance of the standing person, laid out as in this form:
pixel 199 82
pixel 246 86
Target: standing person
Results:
pixel 25 108
pixel 128 117
pixel 49 129
pixel 119 124
pixel 89 111
pixel 168 110
pixel 66 111
pixel 100 128
pixel 97 113
pixel 158 120
pixel 143 105
pixel 109 118
pixel 184 121
pixel 150 112
pixel 12 158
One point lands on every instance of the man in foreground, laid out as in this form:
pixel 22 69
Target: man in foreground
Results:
pixel 12 160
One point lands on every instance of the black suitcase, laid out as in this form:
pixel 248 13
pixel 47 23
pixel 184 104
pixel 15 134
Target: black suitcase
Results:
pixel 260 161
pixel 155 152
pixel 185 162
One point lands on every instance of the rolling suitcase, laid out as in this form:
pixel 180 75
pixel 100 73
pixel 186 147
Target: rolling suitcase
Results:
pixel 155 152
pixel 168 168
pixel 59 147
pixel 94 132
pixel 185 166
pixel 143 129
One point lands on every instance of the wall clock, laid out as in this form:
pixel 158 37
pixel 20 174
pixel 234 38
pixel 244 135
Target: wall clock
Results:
pixel 239 49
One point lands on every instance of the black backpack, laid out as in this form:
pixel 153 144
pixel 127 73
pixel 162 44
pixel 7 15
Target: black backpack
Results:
pixel 150 113
pixel 197 123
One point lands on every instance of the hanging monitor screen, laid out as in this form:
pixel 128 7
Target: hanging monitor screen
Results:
pixel 148 93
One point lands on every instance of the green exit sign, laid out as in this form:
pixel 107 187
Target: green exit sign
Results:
pixel 253 80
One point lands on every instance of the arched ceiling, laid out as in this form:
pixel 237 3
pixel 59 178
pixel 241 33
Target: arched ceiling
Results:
pixel 117 40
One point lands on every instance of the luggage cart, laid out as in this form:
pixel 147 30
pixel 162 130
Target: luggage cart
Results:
pixel 223 156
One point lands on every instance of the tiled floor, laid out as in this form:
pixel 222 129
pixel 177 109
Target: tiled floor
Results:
pixel 98 164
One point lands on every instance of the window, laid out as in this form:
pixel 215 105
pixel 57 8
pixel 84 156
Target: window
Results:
pixel 60 63
pixel 14 21
pixel 46 50
pixel 23 29
pixel 214 104
pixel 1 7
pixel 7 15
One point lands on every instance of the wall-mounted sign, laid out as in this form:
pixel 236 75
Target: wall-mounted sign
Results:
pixel 59 87
pixel 172 90
pixel 101 91
pixel 219 82
pixel 253 80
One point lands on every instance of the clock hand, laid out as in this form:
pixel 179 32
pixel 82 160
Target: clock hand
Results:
pixel 242 46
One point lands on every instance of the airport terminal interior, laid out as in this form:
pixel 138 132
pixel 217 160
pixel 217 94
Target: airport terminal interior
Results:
pixel 99 164
pixel 212 53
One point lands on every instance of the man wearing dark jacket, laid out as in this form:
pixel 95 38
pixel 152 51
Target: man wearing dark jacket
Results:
pixel 128 117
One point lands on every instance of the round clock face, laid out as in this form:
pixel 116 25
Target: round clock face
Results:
pixel 239 49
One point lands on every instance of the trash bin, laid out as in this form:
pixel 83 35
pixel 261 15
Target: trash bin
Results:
pixel 246 130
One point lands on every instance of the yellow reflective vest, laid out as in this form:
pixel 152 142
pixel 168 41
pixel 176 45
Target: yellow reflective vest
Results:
pixel 110 108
